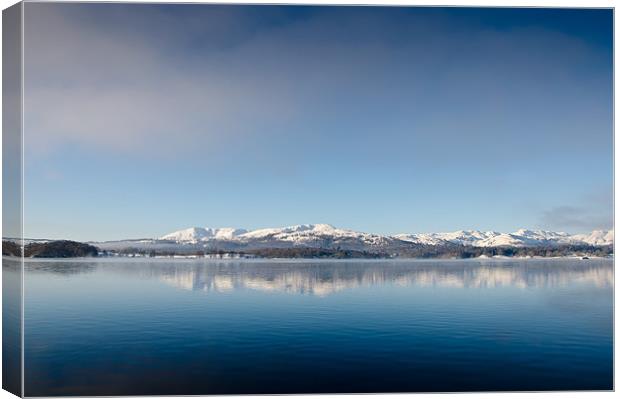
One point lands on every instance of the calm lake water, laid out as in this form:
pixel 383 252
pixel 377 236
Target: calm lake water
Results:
pixel 128 327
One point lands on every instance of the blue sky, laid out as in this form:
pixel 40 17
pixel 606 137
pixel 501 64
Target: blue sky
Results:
pixel 144 119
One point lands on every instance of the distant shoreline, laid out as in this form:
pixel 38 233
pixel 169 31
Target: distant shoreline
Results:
pixel 300 261
pixel 63 249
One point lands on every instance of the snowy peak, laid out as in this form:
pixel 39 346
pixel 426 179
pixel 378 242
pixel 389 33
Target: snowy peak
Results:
pixel 300 229
pixel 315 235
pixel 597 237
pixel 325 235
pixel 196 234
pixel 519 238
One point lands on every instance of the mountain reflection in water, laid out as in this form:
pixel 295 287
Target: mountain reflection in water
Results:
pixel 322 278
pixel 110 326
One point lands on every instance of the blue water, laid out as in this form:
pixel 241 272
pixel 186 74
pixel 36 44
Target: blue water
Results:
pixel 113 327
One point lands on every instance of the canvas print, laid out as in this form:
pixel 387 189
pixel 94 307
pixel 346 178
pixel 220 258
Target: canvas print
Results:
pixel 204 199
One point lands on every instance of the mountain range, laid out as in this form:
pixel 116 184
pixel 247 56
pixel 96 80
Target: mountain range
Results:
pixel 313 234
pixel 325 236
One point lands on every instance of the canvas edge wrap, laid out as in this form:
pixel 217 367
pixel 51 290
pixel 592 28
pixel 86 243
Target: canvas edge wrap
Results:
pixel 12 198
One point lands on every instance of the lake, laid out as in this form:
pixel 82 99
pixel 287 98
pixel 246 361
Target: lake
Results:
pixel 126 327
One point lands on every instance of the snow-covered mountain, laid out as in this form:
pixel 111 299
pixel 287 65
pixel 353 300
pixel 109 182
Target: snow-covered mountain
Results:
pixel 519 238
pixel 196 234
pixel 597 237
pixel 308 235
pixel 327 236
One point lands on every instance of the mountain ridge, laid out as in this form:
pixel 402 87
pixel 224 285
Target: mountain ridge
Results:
pixel 325 235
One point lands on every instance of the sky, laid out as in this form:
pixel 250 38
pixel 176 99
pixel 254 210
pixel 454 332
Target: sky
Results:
pixel 142 119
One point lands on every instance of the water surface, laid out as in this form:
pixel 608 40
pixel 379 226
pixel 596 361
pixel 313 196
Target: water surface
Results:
pixel 111 327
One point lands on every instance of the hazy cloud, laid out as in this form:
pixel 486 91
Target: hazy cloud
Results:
pixel 143 79
pixel 595 212
pixel 127 91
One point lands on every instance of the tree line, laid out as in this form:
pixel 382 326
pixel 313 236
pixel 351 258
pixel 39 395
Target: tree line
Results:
pixel 50 249
pixel 67 249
